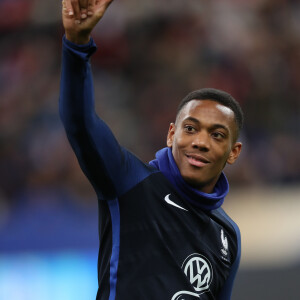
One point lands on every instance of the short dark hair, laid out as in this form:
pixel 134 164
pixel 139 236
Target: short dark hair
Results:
pixel 218 96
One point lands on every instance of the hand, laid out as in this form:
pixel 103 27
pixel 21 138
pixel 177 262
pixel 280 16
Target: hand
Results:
pixel 81 16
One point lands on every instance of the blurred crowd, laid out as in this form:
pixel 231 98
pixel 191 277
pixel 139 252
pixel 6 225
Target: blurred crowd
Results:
pixel 150 55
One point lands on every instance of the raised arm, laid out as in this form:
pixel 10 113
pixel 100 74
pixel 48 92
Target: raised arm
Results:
pixel 111 169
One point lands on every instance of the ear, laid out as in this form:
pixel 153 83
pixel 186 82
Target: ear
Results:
pixel 235 152
pixel 170 135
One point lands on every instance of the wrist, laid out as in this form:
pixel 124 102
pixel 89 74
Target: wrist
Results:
pixel 77 38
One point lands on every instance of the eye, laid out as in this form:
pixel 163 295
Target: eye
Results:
pixel 218 135
pixel 189 128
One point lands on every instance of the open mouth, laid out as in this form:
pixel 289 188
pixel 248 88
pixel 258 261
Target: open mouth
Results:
pixel 197 160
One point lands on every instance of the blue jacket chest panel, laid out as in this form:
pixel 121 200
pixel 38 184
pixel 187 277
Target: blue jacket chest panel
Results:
pixel 168 247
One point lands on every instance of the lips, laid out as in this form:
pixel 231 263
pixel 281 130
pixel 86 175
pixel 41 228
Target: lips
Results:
pixel 197 160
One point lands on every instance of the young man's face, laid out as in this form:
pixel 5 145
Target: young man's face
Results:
pixel 203 141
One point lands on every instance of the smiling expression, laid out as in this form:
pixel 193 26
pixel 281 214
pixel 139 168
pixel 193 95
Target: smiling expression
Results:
pixel 203 141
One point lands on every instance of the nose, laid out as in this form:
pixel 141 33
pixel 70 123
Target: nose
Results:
pixel 201 141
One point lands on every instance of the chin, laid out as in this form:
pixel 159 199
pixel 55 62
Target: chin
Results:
pixel 194 182
pixel 201 185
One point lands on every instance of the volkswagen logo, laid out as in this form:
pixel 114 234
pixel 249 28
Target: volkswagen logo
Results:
pixel 199 271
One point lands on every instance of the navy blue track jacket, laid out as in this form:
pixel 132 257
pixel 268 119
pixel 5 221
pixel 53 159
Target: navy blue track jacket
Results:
pixel 155 244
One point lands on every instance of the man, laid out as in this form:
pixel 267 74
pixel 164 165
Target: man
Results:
pixel 163 233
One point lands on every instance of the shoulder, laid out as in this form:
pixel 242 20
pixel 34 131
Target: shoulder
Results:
pixel 220 212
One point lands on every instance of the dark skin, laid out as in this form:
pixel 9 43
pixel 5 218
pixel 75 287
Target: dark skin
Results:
pixel 80 17
pixel 203 141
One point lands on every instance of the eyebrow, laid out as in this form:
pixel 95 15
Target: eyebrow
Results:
pixel 214 126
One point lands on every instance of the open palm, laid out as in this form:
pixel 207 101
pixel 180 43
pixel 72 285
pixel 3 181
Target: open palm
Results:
pixel 81 16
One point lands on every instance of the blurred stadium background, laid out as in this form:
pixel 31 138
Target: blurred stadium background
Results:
pixel 151 54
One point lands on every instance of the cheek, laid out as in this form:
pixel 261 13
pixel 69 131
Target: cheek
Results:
pixel 226 154
pixel 176 142
pixel 222 152
pixel 180 139
pixel 177 146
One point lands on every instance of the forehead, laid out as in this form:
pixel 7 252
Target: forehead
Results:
pixel 207 111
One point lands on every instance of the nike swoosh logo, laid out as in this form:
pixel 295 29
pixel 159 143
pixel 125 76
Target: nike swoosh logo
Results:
pixel 169 201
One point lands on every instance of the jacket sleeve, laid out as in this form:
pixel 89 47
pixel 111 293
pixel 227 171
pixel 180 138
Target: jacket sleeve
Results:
pixel 111 169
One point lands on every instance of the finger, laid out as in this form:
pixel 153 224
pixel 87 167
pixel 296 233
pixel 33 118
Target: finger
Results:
pixel 76 10
pixel 83 8
pixel 83 13
pixel 100 7
pixel 107 4
pixel 91 6
pixel 66 8
pixel 83 4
